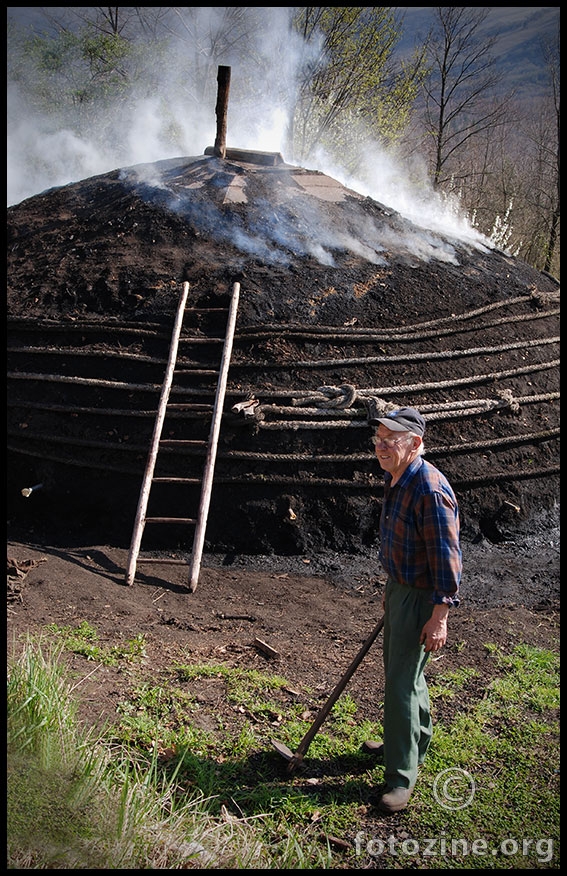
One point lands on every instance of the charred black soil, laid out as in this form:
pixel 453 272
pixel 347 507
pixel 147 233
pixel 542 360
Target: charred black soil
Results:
pixel 343 303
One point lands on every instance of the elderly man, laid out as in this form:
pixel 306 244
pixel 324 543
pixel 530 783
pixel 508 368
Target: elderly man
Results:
pixel 420 552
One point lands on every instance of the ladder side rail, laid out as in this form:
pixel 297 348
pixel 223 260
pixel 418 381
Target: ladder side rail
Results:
pixel 199 538
pixel 158 426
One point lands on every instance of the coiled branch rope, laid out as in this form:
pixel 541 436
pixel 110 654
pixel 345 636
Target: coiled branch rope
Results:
pixel 395 336
pixel 447 410
pixel 115 324
pixel 278 480
pixel 405 357
pixel 447 450
pixel 475 405
pixel 539 298
pixel 298 397
pixel 354 336
pixel 198 448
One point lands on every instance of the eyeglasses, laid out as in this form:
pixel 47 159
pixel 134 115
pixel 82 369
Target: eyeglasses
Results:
pixel 387 442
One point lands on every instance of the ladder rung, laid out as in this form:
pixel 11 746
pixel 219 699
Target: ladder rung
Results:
pixel 201 340
pixel 182 442
pixel 163 480
pixel 170 520
pixel 197 309
pixel 189 406
pixel 169 562
pixel 206 372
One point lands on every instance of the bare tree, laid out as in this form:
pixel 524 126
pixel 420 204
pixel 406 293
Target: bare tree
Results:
pixel 211 36
pixel 510 178
pixel 127 22
pixel 459 92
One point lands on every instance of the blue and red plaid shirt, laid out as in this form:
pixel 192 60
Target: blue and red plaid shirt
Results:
pixel 420 531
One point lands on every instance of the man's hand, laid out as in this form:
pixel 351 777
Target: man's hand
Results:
pixel 434 632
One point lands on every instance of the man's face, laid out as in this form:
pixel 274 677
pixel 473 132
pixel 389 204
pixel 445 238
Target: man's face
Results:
pixel 394 450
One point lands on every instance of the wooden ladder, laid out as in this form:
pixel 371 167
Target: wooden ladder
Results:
pixel 200 522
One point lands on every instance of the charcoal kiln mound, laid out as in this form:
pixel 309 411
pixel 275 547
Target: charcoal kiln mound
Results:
pixel 345 306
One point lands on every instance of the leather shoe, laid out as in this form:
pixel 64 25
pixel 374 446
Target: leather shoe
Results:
pixel 394 800
pixel 374 747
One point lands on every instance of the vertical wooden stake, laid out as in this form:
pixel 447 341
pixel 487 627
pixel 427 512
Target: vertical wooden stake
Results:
pixel 221 110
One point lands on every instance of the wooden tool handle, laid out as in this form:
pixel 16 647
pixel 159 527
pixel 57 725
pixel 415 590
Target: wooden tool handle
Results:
pixel 307 739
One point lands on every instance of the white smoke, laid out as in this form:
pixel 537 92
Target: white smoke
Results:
pixel 45 152
pixel 409 192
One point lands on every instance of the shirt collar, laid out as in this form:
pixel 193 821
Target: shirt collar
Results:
pixel 408 474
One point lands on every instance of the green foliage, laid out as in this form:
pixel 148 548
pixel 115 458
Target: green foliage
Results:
pixel 342 103
pixel 83 78
pixel 451 682
pixel 32 687
pixel 531 680
pixel 245 688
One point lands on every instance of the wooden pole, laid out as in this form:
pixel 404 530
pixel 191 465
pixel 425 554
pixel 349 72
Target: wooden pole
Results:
pixel 213 441
pixel 221 110
pixel 152 455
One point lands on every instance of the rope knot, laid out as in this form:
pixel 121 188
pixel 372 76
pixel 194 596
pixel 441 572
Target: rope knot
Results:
pixel 376 407
pixel 507 400
pixel 338 396
pixel 330 397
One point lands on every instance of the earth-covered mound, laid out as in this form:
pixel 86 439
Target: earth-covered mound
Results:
pixel 343 305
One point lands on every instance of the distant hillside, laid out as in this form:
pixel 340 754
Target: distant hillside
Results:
pixel 521 33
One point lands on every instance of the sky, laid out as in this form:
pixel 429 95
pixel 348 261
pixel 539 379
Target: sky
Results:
pixel 44 152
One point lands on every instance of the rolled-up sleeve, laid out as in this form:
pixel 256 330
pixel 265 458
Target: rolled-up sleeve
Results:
pixel 438 522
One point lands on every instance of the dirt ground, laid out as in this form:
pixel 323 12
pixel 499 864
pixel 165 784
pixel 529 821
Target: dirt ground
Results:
pixel 315 612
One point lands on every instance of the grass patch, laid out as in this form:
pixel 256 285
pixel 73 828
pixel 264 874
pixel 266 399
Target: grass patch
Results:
pixel 157 790
pixel 84 640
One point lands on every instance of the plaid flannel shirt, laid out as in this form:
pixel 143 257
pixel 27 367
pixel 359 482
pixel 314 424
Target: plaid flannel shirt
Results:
pixel 420 530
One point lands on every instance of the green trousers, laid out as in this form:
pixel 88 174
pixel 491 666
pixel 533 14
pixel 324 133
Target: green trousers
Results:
pixel 407 717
